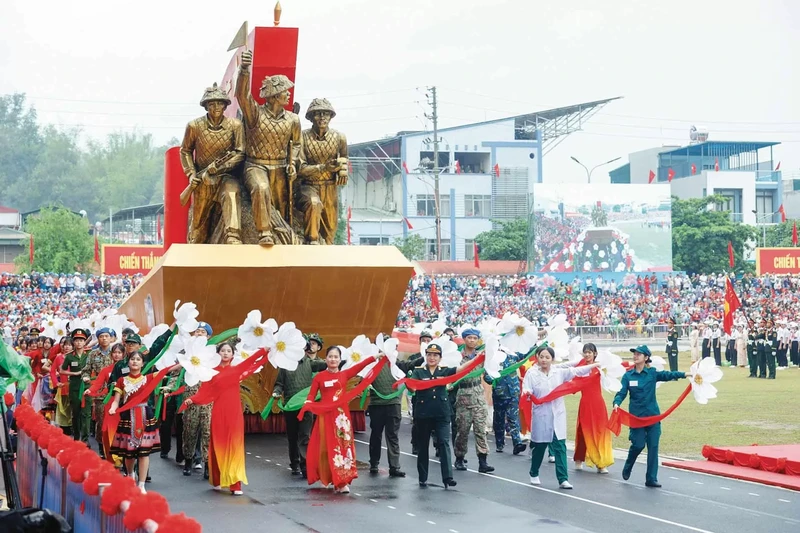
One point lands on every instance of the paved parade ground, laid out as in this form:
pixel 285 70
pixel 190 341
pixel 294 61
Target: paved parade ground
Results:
pixel 504 501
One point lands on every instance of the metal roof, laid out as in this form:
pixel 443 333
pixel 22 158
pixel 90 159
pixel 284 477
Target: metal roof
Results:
pixel 719 147
pixel 139 211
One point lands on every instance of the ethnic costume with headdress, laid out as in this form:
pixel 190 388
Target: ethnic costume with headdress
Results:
pixel 137 432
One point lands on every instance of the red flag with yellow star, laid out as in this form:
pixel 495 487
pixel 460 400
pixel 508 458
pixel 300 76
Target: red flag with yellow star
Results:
pixel 732 303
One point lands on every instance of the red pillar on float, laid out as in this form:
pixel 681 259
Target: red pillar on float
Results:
pixel 176 216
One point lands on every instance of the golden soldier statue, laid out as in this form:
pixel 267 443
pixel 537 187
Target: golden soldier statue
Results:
pixel 323 168
pixel 272 145
pixel 212 148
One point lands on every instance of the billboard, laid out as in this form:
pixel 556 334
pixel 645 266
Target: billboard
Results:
pixel 130 258
pixel 777 261
pixel 602 227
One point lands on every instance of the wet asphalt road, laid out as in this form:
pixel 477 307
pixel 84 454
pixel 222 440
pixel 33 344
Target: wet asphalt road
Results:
pixel 503 501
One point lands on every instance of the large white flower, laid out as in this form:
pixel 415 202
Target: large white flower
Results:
pixel 495 356
pixel 388 347
pixel 254 333
pixel 489 326
pixel 558 321
pixel 241 353
pixel 521 334
pixel 437 327
pixel 704 373
pixel 508 323
pixel 118 323
pixel 153 334
pixel 80 323
pixel 48 321
pixel 199 360
pixel 611 370
pixel 574 349
pixel 289 347
pixel 658 363
pixel 450 354
pixel 186 317
pixel 360 349
pixel 176 345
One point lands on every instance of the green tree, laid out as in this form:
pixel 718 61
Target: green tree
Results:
pixel 508 243
pixel 413 247
pixel 779 235
pixel 700 237
pixel 20 143
pixel 61 242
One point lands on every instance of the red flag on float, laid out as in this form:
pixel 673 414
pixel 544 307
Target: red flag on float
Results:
pixel 730 254
pixel 476 250
pixel 716 165
pixel 670 175
pixel 778 166
pixel 96 249
pixel 349 216
pixel 694 169
pixel 408 223
pixel 31 249
pixel 782 211
pixel 732 303
pixel 405 168
pixel 651 177
pixel 435 295
pixel 794 234
pixel 458 167
pixel 497 170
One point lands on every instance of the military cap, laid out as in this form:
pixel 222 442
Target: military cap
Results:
pixel 274 85
pixel 319 104
pixel 214 93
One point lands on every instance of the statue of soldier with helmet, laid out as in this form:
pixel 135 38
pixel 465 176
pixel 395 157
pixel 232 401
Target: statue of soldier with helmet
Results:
pixel 211 151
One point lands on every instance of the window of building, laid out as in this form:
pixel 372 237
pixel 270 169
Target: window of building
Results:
pixel 426 160
pixel 765 208
pixel 426 205
pixel 430 249
pixel 469 249
pixel 477 205
pixel 473 163
pixel 373 241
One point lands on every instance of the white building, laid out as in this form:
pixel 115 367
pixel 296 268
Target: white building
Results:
pixel 487 174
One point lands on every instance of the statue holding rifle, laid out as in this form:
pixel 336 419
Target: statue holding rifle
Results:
pixel 272 145
pixel 212 149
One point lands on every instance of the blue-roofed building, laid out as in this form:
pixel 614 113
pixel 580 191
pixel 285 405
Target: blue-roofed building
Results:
pixel 742 172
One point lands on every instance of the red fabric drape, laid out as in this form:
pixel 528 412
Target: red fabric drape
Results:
pixel 319 408
pixel 420 384
pixel 110 422
pixel 620 416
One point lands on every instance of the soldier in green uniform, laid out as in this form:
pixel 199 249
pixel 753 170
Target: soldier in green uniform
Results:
pixel 73 366
pixel 471 409
pixel 771 348
pixel 99 358
pixel 751 350
pixel 672 345
pixel 432 414
pixel 640 382
pixel 761 348
pixel 289 383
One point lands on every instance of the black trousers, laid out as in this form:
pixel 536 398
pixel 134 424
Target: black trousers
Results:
pixel 753 360
pixel 441 427
pixel 761 354
pixel 384 419
pixel 706 349
pixel 165 430
pixel 717 353
pixel 298 432
pixel 782 360
pixel 794 353
pixel 672 357
pixel 730 352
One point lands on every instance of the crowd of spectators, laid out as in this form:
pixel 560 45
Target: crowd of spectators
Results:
pixel 636 300
pixel 26 298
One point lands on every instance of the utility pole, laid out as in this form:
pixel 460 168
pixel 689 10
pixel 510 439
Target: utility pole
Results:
pixel 434 116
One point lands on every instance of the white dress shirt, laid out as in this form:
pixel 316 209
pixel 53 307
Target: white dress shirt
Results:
pixel 551 417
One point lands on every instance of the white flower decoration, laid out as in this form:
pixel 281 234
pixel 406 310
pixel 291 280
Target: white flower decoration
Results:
pixel 199 360
pixel 241 353
pixel 153 334
pixel 495 356
pixel 388 347
pixel 658 363
pixel 186 317
pixel 360 349
pixel 611 370
pixel 521 334
pixel 704 373
pixel 489 326
pixel 254 333
pixel 289 347
pixel 437 327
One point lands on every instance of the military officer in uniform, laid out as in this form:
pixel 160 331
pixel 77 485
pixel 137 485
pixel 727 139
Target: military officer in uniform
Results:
pixel 323 169
pixel 751 350
pixel 211 151
pixel 432 414
pixel 761 349
pixel 424 337
pixel 99 358
pixel 771 348
pixel 672 345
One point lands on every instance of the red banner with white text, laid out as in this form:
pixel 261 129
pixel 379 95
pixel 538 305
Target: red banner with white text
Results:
pixel 130 258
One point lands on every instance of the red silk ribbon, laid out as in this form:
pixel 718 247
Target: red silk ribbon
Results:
pixel 424 384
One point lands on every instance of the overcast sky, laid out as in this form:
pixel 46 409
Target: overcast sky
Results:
pixel 728 66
